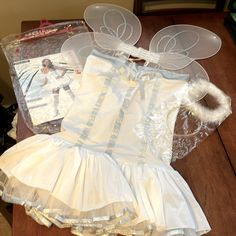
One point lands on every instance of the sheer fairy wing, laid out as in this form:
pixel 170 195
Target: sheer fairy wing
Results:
pixel 194 71
pixel 124 25
pixel 174 61
pixel 82 44
pixel 114 20
pixel 189 40
pixel 180 45
pixel 169 61
pixel 192 42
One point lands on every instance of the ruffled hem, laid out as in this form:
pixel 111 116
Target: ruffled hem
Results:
pixel 80 178
pixel 164 199
pixel 95 195
pixel 12 190
pixel 117 220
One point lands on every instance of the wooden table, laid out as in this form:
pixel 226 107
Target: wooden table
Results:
pixel 210 168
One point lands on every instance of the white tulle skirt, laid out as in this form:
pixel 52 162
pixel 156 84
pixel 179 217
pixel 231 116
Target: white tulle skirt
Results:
pixel 70 186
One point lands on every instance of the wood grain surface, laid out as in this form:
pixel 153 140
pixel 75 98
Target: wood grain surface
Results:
pixel 210 168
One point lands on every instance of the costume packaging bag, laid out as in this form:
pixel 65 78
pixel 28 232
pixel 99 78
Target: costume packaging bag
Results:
pixel 45 80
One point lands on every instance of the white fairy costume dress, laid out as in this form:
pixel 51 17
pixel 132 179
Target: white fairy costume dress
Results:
pixel 106 172
pixel 53 82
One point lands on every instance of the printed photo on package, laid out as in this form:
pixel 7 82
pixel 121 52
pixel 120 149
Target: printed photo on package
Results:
pixel 49 85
